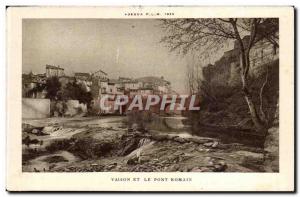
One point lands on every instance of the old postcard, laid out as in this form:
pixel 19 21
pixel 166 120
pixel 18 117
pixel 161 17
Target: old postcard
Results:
pixel 150 98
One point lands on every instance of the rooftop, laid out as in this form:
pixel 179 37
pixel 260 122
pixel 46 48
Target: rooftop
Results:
pixel 82 74
pixel 101 71
pixel 126 80
pixel 113 81
pixel 153 80
pixel 54 67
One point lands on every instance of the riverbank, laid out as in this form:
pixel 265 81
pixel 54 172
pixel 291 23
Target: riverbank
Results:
pixel 104 144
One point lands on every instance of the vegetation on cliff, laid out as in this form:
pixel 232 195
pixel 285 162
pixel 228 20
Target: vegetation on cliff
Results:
pixel 207 36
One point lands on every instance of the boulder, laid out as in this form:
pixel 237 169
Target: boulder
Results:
pixel 215 144
pixel 199 140
pixel 159 137
pixel 179 139
pixel 208 144
pixel 35 131
pixel 196 169
pixel 132 160
pixel 220 167
pixel 48 129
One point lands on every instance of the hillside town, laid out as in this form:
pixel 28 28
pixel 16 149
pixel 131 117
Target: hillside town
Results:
pixel 97 83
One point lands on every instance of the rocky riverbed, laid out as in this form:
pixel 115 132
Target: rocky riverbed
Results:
pixel 105 144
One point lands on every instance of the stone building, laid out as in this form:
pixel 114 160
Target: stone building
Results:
pixel 99 83
pixel 262 53
pixel 100 74
pixel 158 84
pixel 146 91
pixel 54 71
pixel 33 85
pixel 144 86
pixel 82 76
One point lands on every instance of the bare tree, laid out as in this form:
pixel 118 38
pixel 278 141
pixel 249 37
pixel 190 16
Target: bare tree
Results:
pixel 209 35
pixel 193 76
pixel 190 80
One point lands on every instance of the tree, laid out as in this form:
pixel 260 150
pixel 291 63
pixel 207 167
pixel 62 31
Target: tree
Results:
pixel 52 87
pixel 193 76
pixel 209 35
pixel 34 91
pixel 76 91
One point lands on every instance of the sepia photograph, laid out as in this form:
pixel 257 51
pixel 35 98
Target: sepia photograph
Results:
pixel 229 65
pixel 151 92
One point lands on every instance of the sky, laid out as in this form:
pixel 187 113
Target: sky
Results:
pixel 120 47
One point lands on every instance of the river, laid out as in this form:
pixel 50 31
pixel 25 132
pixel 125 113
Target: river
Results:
pixel 180 155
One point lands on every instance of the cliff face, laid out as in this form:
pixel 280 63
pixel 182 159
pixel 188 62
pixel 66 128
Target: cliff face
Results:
pixel 223 71
pixel 226 70
pixel 262 54
pixel 223 100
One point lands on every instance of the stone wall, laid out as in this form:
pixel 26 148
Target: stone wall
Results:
pixel 35 108
pixel 261 54
pixel 226 70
